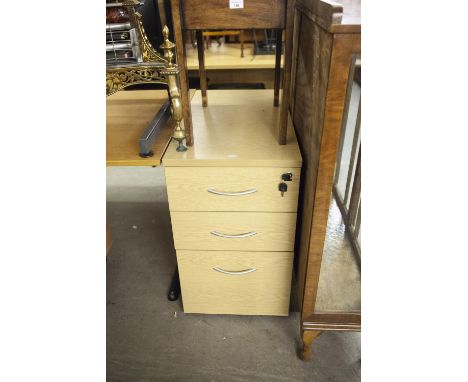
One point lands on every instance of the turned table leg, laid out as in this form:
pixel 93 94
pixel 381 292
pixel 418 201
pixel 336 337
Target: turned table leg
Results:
pixel 308 336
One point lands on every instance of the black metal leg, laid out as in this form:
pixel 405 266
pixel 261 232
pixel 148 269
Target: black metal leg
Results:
pixel 174 290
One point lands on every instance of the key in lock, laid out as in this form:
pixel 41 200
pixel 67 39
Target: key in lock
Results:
pixel 283 187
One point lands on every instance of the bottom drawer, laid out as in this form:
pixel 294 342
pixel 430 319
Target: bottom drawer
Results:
pixel 231 282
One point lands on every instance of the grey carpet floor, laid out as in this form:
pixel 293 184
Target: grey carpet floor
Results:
pixel 150 338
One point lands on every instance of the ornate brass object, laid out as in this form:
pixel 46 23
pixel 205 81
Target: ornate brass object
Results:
pixel 154 68
pixel 118 78
pixel 172 79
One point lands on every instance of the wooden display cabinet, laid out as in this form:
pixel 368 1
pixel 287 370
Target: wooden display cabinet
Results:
pixel 327 43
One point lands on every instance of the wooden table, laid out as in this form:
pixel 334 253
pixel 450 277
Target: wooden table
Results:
pixel 196 15
pixel 127 115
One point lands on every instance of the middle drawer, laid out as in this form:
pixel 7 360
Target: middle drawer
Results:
pixel 238 231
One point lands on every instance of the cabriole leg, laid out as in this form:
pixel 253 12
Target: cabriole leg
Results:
pixel 308 336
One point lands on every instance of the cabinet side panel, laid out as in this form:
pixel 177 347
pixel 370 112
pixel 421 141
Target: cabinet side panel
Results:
pixel 313 62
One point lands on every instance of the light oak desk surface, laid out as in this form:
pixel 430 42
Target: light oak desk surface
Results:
pixel 127 116
pixel 227 56
pixel 237 129
pixel 128 113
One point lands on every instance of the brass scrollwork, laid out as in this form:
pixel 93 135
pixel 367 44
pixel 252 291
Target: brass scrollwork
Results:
pixel 119 78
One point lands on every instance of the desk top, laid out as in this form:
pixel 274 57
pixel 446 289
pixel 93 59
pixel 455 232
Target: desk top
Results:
pixel 237 129
pixel 127 115
pixel 227 56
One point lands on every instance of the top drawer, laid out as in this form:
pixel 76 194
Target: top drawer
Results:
pixel 231 189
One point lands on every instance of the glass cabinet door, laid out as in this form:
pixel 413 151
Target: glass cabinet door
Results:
pixel 339 288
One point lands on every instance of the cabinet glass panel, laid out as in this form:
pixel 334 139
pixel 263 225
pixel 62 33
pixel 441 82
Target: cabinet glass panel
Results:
pixel 339 288
pixel 350 134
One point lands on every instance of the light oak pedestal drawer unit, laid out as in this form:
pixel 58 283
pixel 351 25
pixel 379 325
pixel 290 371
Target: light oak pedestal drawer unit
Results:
pixel 233 204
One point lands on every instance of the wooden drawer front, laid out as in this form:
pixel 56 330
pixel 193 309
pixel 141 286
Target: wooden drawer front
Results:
pixel 263 291
pixel 249 189
pixel 216 14
pixel 235 231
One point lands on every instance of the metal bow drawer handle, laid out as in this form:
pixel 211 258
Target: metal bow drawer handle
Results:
pixel 240 193
pixel 241 235
pixel 244 272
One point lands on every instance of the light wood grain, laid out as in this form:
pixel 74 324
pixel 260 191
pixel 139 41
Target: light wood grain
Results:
pixel 229 76
pixel 128 113
pixel 263 292
pixel 227 56
pixel 237 129
pixel 187 189
pixel 274 232
pixel 224 33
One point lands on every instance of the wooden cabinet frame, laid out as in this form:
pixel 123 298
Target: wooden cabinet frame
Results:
pixel 326 37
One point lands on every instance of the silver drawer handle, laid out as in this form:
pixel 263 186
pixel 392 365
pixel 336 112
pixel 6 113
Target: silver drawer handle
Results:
pixel 247 192
pixel 244 272
pixel 241 235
